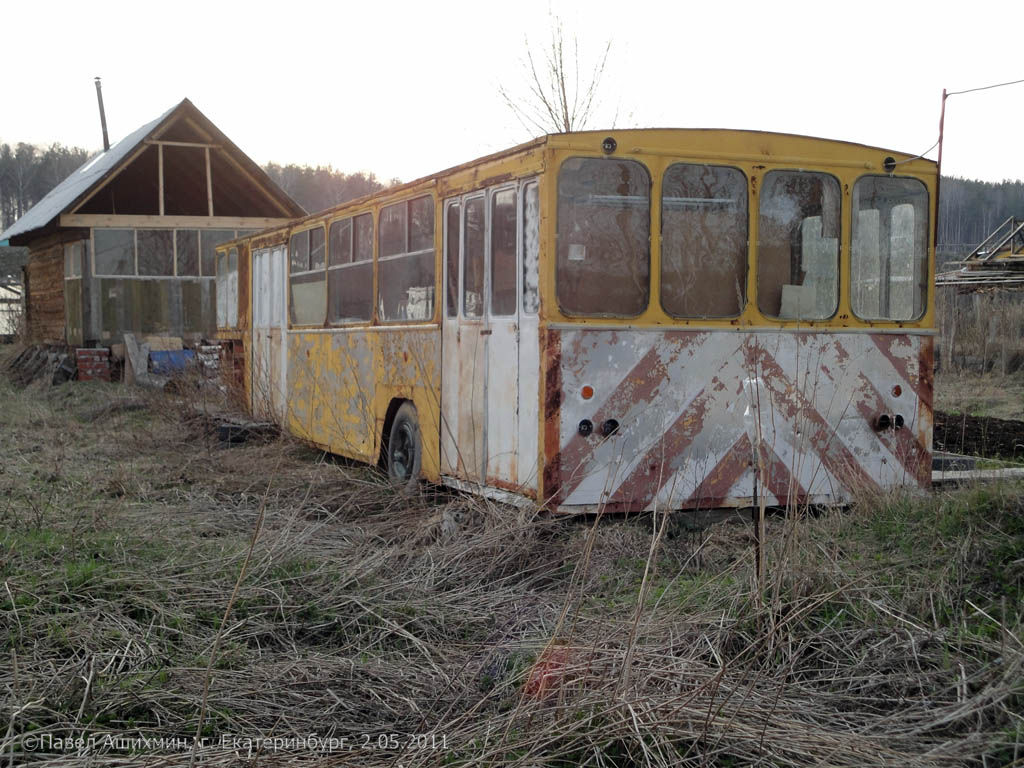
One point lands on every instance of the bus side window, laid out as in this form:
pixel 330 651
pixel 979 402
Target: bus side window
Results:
pixel 451 235
pixel 405 273
pixel 531 248
pixel 889 249
pixel 473 256
pixel 704 241
pixel 798 246
pixel 504 228
pixel 308 300
pixel 603 259
pixel 349 279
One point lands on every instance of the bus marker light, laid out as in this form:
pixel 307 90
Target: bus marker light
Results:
pixel 897 391
pixel 587 392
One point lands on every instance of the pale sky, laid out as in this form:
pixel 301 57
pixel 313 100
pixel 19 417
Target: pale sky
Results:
pixel 404 89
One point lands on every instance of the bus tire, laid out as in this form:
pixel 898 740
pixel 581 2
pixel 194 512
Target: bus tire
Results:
pixel 405 452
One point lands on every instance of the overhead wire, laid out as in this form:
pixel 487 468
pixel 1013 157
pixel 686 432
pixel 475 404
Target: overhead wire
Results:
pixel 945 96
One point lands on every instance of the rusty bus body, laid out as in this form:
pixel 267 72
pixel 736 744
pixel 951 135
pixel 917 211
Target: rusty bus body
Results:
pixel 628 320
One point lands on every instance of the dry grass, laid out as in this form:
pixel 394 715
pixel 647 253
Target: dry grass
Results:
pixel 887 635
pixel 981 332
pixel 989 394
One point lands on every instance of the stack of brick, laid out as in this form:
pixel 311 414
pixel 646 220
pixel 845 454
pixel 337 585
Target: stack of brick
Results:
pixel 93 364
pixel 209 359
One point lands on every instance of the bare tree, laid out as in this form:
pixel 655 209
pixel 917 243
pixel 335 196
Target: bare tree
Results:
pixel 557 102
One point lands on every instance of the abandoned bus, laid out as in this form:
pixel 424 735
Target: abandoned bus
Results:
pixel 628 320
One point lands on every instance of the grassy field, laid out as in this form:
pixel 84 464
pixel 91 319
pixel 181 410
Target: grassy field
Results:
pixel 294 609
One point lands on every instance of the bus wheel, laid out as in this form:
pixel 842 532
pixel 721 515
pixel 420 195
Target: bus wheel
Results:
pixel 404 454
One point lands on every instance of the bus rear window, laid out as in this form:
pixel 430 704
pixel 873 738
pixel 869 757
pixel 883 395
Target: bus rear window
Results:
pixel 798 246
pixel 603 260
pixel 704 241
pixel 889 261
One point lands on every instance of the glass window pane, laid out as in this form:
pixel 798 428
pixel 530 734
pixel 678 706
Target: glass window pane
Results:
pixel 406 287
pixel 350 290
pixel 473 258
pixel 316 248
pixel 221 286
pixel 452 232
pixel 392 230
pixel 340 251
pixel 704 241
pixel 308 304
pixel 232 282
pixel 209 239
pixel 603 259
pixel 362 248
pixel 531 249
pixel 889 253
pixel 421 223
pixel 798 245
pixel 503 252
pixel 187 246
pixel 156 252
pixel 73 256
pixel 298 252
pixel 115 251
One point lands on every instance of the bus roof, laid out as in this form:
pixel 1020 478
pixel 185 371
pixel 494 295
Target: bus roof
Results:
pixel 725 143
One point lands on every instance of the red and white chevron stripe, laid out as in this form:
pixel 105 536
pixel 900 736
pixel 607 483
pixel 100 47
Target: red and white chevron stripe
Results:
pixel 721 418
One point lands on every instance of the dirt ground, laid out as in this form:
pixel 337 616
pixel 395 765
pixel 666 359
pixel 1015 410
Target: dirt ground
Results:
pixel 979 436
pixel 980 415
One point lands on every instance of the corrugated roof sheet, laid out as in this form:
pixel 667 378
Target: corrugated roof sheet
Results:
pixel 69 190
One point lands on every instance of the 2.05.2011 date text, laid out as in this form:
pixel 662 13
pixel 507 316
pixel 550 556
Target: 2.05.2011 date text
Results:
pixel 403 741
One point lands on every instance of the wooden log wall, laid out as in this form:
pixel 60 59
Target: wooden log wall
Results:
pixel 44 295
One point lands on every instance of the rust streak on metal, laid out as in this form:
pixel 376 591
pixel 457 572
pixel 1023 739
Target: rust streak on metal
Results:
pixel 636 386
pixel 505 485
pixel 649 476
pixel 779 480
pixel 552 352
pixel 901 364
pixel 926 373
pixel 640 385
pixel 835 456
pixel 915 458
pixel 723 476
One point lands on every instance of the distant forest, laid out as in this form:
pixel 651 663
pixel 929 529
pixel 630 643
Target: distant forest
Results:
pixel 28 172
pixel 323 187
pixel 969 210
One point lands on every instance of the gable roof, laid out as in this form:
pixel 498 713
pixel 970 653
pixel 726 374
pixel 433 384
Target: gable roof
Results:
pixel 101 166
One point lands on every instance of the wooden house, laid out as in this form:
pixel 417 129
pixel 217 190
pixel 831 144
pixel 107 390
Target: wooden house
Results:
pixel 126 242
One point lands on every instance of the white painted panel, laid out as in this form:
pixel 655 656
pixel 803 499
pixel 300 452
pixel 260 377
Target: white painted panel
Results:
pixel 528 448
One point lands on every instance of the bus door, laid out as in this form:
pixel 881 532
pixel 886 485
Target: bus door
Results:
pixel 479 379
pixel 463 351
pixel 268 333
pixel 501 334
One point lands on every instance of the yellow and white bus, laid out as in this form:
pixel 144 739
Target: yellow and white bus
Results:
pixel 625 320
